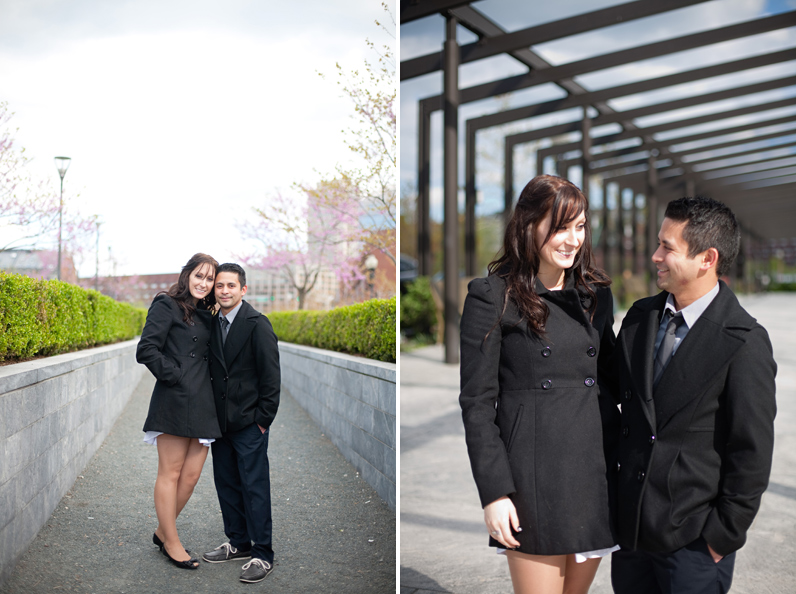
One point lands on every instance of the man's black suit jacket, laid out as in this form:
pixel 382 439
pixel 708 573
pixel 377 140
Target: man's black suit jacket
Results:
pixel 695 455
pixel 245 372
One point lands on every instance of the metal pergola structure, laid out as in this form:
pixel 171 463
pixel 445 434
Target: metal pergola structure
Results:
pixel 749 166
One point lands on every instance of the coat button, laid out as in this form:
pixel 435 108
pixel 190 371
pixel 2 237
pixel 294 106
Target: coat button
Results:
pixel 652 439
pixel 547 384
pixel 641 476
pixel 591 352
pixel 226 378
pixel 626 431
pixel 204 357
pixel 211 379
pixel 193 354
pixel 195 339
pixel 628 394
pixel 224 396
pixel 546 352
pixel 589 381
pixel 618 465
pixel 208 343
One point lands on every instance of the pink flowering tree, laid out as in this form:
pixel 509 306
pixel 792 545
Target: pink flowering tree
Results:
pixel 300 239
pixel 371 180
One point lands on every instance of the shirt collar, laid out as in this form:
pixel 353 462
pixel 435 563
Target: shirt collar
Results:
pixel 692 312
pixel 231 315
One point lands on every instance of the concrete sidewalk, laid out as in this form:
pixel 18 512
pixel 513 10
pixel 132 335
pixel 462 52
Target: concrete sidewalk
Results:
pixel 443 538
pixel 332 532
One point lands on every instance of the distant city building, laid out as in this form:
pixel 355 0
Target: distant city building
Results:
pixel 139 290
pixel 38 264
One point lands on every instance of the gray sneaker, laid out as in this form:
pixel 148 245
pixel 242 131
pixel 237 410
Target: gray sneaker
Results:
pixel 226 552
pixel 255 571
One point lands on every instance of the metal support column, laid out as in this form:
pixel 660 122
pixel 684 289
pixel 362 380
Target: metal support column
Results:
pixel 469 201
pixel 450 181
pixel 652 218
pixel 423 184
pixel 585 150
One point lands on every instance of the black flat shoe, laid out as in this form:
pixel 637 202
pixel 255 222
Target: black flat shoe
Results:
pixel 189 564
pixel 159 543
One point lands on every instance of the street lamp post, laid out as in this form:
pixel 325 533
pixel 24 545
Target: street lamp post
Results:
pixel 62 164
pixel 371 262
pixel 96 270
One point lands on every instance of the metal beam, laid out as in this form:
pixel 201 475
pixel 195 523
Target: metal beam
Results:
pixel 411 10
pixel 525 38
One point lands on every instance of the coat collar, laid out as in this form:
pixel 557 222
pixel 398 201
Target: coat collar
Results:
pixel 239 332
pixel 709 345
pixel 714 339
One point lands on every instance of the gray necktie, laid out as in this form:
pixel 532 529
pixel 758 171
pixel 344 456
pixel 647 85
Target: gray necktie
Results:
pixel 665 350
pixel 224 329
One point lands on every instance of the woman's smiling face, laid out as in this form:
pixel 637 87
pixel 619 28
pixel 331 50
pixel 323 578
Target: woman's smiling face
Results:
pixel 560 250
pixel 200 283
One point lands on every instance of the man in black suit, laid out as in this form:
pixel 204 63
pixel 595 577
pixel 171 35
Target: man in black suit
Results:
pixel 244 371
pixel 696 376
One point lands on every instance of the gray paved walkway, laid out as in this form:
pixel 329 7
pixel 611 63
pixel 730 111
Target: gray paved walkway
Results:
pixel 332 533
pixel 443 539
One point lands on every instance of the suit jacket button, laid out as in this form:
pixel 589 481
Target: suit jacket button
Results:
pixel 641 476
pixel 546 352
pixel 591 352
pixel 193 354
pixel 589 381
pixel 195 339
pixel 626 431
pixel 652 439
pixel 628 394
pixel 547 384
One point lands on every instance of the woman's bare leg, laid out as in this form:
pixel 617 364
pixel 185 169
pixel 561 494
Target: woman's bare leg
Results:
pixel 172 452
pixel 553 574
pixel 579 576
pixel 191 471
pixel 537 574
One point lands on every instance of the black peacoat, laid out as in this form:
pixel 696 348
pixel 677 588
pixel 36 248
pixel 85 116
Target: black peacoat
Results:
pixel 245 372
pixel 177 355
pixel 538 421
pixel 695 454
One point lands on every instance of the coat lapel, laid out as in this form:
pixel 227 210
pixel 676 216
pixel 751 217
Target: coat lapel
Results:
pixel 215 342
pixel 239 332
pixel 704 352
pixel 638 344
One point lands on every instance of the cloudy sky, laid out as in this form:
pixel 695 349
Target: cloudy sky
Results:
pixel 426 35
pixel 180 115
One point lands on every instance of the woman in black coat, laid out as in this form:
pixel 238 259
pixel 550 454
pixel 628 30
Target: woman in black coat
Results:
pixel 182 415
pixel 536 335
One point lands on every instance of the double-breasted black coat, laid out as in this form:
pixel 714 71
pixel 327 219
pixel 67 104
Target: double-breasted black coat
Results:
pixel 695 454
pixel 538 423
pixel 245 372
pixel 177 355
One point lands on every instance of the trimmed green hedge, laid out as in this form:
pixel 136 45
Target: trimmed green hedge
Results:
pixel 41 317
pixel 364 328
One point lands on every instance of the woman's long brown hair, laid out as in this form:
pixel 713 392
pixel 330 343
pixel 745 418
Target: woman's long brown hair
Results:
pixel 181 292
pixel 519 262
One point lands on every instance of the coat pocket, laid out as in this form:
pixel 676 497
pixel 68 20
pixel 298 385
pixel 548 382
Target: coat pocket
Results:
pixel 514 428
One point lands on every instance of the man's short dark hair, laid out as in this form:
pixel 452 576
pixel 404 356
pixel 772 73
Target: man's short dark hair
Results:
pixel 709 224
pixel 232 267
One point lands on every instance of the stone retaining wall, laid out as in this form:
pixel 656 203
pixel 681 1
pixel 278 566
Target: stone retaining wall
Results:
pixel 54 415
pixel 353 400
